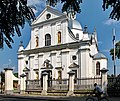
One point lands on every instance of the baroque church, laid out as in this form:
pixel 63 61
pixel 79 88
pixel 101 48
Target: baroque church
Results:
pixel 59 45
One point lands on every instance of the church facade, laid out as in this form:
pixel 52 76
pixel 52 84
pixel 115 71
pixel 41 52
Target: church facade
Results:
pixel 59 45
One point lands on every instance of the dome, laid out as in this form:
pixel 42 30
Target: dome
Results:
pixel 74 24
pixel 99 56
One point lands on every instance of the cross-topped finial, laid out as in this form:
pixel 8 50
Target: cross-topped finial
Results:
pixel 21 43
pixel 94 29
pixel 85 28
pixel 51 2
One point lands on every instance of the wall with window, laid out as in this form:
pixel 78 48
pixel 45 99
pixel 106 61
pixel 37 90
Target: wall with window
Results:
pixel 47 40
pixel 97 68
pixel 99 64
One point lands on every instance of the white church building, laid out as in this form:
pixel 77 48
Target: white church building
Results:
pixel 59 45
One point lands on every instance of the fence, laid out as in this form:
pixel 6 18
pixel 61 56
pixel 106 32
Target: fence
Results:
pixel 63 84
pixel 59 84
pixel 86 83
pixel 33 85
pixel 113 86
pixel 43 85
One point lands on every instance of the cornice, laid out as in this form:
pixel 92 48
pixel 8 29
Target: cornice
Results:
pixel 73 45
pixel 50 21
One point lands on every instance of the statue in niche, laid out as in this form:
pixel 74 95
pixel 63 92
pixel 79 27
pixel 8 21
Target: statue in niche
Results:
pixel 37 40
pixel 59 37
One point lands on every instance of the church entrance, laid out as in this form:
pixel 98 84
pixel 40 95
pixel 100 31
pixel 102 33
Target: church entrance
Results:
pixel 49 77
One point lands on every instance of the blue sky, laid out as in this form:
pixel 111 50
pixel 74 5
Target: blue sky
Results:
pixel 91 15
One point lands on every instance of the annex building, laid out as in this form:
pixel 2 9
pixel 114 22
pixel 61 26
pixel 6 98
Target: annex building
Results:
pixel 59 45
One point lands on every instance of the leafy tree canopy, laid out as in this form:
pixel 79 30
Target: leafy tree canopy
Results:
pixel 115 5
pixel 117 51
pixel 14 14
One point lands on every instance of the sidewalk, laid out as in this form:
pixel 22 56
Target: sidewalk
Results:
pixel 52 98
pixel 49 98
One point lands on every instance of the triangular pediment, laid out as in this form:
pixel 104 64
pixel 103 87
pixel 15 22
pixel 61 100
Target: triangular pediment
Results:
pixel 47 14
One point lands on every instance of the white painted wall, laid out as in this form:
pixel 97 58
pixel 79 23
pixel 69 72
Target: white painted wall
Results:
pixel 59 58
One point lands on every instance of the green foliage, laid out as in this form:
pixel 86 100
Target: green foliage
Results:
pixel 71 4
pixel 115 6
pixel 52 2
pixel 67 5
pixel 117 51
pixel 16 74
pixel 13 14
pixel 2 77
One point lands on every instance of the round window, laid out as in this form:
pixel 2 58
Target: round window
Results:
pixel 74 57
pixel 48 16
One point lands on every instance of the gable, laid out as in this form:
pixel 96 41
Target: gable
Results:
pixel 47 14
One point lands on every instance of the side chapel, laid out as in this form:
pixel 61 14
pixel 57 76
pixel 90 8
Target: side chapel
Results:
pixel 58 45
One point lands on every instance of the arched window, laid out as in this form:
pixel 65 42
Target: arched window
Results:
pixel 37 41
pixel 59 37
pixel 98 68
pixel 47 40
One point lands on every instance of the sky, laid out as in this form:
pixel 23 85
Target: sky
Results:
pixel 91 15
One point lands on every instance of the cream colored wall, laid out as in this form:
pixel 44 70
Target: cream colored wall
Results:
pixel 20 64
pixel 84 60
pixel 103 64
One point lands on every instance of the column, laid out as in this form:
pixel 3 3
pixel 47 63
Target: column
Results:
pixel 45 83
pixel 71 83
pixel 8 81
pixel 22 83
pixel 104 79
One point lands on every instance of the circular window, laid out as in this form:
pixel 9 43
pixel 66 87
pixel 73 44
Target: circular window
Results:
pixel 74 57
pixel 48 16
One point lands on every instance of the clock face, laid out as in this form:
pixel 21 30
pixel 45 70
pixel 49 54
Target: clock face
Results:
pixel 48 16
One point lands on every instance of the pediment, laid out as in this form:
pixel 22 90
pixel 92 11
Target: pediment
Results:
pixel 47 14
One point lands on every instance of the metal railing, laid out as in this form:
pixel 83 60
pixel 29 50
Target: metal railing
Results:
pixel 63 84
pixel 86 83
pixel 59 84
pixel 33 85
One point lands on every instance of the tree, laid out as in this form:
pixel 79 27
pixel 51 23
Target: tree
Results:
pixel 13 15
pixel 75 5
pixel 71 5
pixel 2 76
pixel 115 5
pixel 117 51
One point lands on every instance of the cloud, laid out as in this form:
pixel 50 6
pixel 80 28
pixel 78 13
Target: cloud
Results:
pixel 36 2
pixel 106 50
pixel 37 5
pixel 111 21
pixel 99 42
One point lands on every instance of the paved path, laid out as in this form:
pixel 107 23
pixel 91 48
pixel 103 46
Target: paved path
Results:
pixel 46 98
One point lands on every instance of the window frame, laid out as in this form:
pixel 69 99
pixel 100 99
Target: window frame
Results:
pixel 47 40
pixel 97 68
